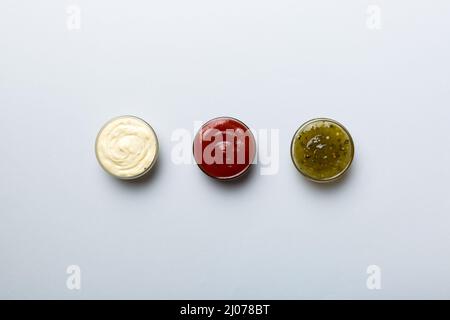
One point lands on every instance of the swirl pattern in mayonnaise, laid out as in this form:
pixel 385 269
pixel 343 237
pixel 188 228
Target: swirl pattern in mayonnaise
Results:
pixel 127 147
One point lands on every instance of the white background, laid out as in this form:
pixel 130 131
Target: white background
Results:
pixel 179 234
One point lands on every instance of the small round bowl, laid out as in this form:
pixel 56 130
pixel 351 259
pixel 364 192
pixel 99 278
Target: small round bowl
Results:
pixel 322 150
pixel 224 148
pixel 127 147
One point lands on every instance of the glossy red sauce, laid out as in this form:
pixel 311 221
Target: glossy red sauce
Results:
pixel 224 148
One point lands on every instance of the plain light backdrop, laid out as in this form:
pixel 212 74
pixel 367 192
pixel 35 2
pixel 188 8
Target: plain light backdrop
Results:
pixel 179 234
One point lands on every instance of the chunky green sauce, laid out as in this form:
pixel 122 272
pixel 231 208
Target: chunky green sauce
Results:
pixel 322 150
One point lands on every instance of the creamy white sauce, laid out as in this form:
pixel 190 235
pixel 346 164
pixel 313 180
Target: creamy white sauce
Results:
pixel 127 147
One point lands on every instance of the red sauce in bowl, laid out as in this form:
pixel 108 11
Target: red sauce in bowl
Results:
pixel 224 148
